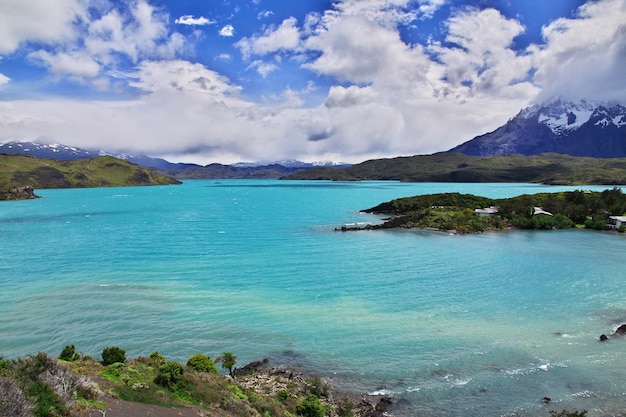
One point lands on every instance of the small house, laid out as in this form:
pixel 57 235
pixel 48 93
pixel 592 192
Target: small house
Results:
pixel 615 222
pixel 539 210
pixel 487 211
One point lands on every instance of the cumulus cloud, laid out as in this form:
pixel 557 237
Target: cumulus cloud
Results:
pixel 190 20
pixel 227 31
pixel 284 37
pixel 360 51
pixel 22 21
pixel 585 57
pixel 481 60
pixel 135 33
pixel 339 96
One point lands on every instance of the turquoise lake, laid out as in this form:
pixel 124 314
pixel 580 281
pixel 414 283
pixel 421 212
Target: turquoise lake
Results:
pixel 471 325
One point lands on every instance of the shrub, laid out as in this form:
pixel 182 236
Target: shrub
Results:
pixel 111 355
pixel 47 403
pixel 311 406
pixel 345 408
pixel 318 387
pixel 202 363
pixel 157 359
pixel 69 354
pixel 13 401
pixel 170 375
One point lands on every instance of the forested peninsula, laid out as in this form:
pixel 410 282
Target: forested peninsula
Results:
pixel 467 213
pixel 21 175
pixel 547 168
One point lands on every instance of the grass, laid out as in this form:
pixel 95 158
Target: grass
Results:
pixel 106 171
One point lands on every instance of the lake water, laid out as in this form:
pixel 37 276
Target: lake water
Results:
pixel 473 325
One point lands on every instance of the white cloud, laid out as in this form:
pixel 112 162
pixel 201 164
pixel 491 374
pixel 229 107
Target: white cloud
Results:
pixel 46 21
pixel 482 62
pixel 190 20
pixel 264 14
pixel 284 37
pixel 263 68
pixel 427 8
pixel 77 64
pixel 339 96
pixel 4 79
pixel 139 32
pixel 585 57
pixel 360 51
pixel 227 31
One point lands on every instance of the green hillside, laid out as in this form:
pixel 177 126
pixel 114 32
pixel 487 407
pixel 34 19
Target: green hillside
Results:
pixel 554 169
pixel 18 172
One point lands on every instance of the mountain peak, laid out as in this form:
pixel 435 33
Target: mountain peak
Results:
pixel 579 128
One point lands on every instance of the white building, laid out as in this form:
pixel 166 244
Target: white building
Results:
pixel 615 222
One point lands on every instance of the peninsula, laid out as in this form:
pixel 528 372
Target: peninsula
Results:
pixel 20 175
pixel 467 213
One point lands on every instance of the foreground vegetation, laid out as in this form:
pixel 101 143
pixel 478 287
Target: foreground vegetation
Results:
pixel 550 168
pixel 42 386
pixel 75 385
pixel 454 211
pixel 20 171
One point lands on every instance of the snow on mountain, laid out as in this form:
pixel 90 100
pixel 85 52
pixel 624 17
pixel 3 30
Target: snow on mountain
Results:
pixel 561 116
pixel 581 128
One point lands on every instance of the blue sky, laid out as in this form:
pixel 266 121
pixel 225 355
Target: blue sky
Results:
pixel 248 80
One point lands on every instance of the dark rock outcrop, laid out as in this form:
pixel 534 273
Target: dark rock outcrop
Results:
pixel 620 330
pixel 19 193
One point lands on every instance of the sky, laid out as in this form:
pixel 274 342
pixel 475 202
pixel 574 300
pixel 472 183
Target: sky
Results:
pixel 227 81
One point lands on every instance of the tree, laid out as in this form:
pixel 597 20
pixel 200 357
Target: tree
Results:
pixel 228 362
pixel 69 354
pixel 202 363
pixel 113 354
pixel 170 375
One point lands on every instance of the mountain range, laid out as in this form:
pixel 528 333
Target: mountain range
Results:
pixel 581 128
pixel 262 169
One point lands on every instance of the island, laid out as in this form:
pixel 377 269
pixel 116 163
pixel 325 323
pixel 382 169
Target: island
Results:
pixel 20 175
pixel 467 213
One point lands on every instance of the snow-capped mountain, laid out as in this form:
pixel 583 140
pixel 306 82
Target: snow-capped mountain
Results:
pixel 51 151
pixel 275 169
pixel 580 128
pixel 290 163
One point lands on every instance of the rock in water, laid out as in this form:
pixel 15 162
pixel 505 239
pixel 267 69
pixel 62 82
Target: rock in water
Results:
pixel 620 331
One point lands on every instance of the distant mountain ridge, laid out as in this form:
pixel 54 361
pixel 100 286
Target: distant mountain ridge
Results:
pixel 263 169
pixel 582 128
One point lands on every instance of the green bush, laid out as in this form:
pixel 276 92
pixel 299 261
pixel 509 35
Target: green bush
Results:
pixel 111 355
pixel 202 363
pixel 345 408
pixel 47 403
pixel 69 354
pixel 318 387
pixel 170 375
pixel 157 359
pixel 311 406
